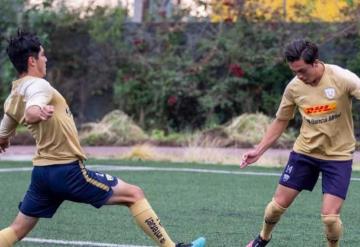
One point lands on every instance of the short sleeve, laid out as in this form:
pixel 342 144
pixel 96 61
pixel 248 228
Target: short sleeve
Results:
pixel 7 126
pixel 352 83
pixel 31 92
pixel 286 110
pixel 38 93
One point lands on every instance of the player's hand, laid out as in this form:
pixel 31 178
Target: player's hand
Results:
pixel 46 112
pixel 249 157
pixel 4 144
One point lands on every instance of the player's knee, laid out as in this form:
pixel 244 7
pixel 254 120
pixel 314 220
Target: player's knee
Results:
pixel 331 220
pixel 333 227
pixel 273 212
pixel 137 193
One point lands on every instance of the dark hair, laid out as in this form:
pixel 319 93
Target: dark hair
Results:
pixel 21 47
pixel 301 49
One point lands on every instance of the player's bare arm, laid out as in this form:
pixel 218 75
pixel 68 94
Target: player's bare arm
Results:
pixel 35 114
pixel 276 128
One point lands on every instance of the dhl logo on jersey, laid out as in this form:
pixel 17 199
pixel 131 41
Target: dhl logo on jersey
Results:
pixel 312 110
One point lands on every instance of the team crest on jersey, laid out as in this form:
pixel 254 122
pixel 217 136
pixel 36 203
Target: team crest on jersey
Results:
pixel 330 92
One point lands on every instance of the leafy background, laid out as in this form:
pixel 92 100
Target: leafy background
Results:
pixel 171 75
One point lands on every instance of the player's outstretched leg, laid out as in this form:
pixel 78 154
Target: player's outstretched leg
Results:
pixel 200 242
pixel 145 217
pixel 149 222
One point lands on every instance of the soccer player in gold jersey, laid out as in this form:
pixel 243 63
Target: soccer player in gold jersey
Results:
pixel 59 173
pixel 323 95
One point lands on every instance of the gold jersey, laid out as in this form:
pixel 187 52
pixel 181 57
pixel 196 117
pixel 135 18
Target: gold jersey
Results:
pixel 327 130
pixel 57 138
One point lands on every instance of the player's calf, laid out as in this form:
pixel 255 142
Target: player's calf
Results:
pixel 333 229
pixel 149 222
pixel 273 212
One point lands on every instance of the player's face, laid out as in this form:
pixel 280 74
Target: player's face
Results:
pixel 308 73
pixel 41 63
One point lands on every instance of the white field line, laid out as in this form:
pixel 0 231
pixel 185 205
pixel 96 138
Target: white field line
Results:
pixel 76 243
pixel 164 169
pixel 19 169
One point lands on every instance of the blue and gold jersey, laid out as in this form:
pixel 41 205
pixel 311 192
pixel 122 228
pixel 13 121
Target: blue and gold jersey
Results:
pixel 57 138
pixel 327 130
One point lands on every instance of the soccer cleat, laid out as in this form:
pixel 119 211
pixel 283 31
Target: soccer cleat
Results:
pixel 258 242
pixel 200 242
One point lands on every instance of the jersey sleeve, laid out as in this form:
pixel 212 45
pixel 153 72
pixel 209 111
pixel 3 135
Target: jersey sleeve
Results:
pixel 14 107
pixel 352 83
pixel 32 92
pixel 39 94
pixel 287 107
pixel 7 126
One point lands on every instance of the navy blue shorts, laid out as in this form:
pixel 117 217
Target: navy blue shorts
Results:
pixel 51 185
pixel 302 173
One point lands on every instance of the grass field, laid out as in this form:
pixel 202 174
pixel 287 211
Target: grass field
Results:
pixel 216 202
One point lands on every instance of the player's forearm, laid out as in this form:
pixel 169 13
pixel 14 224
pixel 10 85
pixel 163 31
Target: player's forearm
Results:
pixel 276 128
pixel 7 127
pixel 33 115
